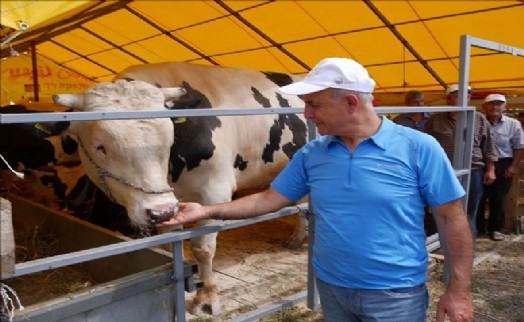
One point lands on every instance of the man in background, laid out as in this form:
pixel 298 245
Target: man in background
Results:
pixel 509 143
pixel 442 127
pixel 415 120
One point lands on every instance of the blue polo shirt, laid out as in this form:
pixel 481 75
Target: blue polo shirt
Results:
pixel 369 204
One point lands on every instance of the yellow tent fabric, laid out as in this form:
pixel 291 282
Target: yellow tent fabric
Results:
pixel 17 81
pixel 405 44
pixel 34 13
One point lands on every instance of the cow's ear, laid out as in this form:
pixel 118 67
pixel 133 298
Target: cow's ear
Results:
pixel 173 92
pixel 182 105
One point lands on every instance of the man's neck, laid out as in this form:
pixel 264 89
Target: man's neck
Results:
pixel 367 128
pixel 494 119
pixel 416 117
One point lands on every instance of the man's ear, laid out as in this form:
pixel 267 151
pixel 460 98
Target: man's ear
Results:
pixel 352 100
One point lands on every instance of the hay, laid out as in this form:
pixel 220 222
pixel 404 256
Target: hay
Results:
pixel 34 288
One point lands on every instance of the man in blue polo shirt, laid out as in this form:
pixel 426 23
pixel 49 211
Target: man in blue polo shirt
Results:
pixel 368 180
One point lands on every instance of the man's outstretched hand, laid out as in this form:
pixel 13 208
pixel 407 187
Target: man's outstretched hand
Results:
pixel 188 212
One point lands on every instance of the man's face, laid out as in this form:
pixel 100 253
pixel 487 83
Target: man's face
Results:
pixel 415 101
pixel 329 113
pixel 453 98
pixel 494 109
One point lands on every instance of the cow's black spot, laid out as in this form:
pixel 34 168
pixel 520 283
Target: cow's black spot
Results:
pixel 240 164
pixel 194 95
pixel 261 99
pixel 16 108
pixel 275 136
pixel 282 101
pixel 193 138
pixel 59 127
pixel 176 164
pixel 69 145
pixel 296 126
pixel 279 78
pixel 52 180
pixel 299 130
pixel 193 143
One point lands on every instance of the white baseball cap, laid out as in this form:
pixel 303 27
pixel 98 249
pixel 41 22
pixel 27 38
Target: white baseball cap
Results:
pixel 343 73
pixel 495 97
pixel 454 88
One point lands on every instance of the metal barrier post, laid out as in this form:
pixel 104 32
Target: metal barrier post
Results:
pixel 313 301
pixel 179 309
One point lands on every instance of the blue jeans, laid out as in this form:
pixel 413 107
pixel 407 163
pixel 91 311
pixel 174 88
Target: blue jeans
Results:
pixel 341 304
pixel 476 189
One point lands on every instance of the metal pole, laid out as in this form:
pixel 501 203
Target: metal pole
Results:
pixel 178 277
pixel 34 62
pixel 313 301
pixel 463 138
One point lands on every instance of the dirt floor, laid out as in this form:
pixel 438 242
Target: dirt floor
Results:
pixel 254 270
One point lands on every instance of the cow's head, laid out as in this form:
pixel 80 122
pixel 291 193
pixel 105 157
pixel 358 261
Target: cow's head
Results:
pixel 128 159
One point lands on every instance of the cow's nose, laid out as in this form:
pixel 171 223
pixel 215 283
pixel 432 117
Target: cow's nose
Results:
pixel 160 214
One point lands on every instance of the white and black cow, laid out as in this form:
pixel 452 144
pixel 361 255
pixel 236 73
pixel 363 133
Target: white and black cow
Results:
pixel 140 163
pixel 68 189
pixel 53 174
pixel 33 145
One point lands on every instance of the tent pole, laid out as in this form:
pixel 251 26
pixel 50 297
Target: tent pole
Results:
pixel 35 72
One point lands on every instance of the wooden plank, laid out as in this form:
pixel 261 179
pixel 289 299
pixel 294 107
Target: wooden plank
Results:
pixel 7 241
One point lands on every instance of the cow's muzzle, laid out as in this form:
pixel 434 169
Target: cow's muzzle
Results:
pixel 155 217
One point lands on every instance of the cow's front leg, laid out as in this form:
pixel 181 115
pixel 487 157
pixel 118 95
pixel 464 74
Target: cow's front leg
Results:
pixel 206 299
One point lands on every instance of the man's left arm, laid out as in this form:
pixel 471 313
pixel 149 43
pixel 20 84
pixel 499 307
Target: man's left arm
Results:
pixel 457 242
pixel 517 142
pixel 489 175
pixel 513 169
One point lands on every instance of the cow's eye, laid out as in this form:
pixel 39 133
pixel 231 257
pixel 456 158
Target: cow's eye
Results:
pixel 100 148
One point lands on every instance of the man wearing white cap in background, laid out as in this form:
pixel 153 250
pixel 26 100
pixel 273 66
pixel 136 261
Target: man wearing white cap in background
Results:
pixel 368 180
pixel 442 127
pixel 509 142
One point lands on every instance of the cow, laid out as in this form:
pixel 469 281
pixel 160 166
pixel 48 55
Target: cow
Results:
pixel 53 176
pixel 32 145
pixel 68 189
pixel 149 165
